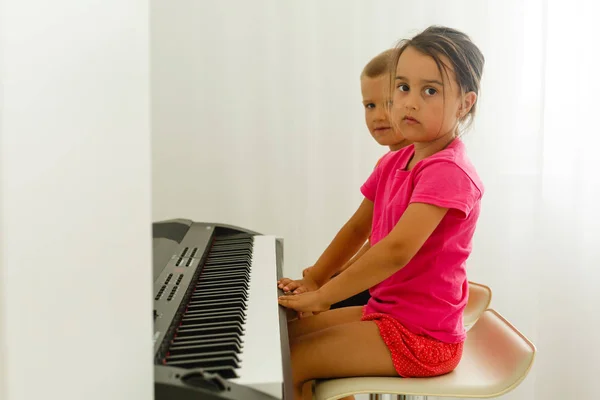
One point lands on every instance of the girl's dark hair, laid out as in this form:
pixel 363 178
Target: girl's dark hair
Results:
pixel 465 58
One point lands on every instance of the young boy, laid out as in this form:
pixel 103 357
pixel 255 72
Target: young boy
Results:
pixel 376 88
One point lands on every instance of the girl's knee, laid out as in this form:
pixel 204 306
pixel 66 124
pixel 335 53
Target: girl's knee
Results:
pixel 300 360
pixel 297 367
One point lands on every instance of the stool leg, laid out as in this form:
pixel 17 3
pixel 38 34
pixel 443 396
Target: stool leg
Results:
pixel 395 397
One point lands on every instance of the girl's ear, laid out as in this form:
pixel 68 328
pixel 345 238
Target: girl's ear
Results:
pixel 467 103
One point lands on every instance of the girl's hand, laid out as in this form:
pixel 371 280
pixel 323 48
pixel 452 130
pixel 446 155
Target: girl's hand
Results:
pixel 305 302
pixel 303 285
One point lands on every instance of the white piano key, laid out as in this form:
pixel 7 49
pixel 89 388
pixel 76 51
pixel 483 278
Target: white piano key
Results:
pixel 260 360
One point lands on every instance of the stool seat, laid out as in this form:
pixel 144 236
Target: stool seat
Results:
pixel 480 297
pixel 496 359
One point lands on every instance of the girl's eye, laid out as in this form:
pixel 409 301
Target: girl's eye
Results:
pixel 430 91
pixel 403 88
pixel 370 105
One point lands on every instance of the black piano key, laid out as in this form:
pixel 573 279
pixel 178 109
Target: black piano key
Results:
pixel 236 286
pixel 222 278
pixel 232 340
pixel 242 237
pixel 229 326
pixel 226 272
pixel 231 289
pixel 224 286
pixel 223 309
pixel 223 318
pixel 216 261
pixel 210 282
pixel 237 266
pixel 215 303
pixel 199 310
pixel 230 251
pixel 228 254
pixel 216 312
pixel 237 282
pixel 221 296
pixel 193 324
pixel 203 355
pixel 199 328
pixel 208 331
pixel 203 335
pixel 201 348
pixel 226 275
pixel 217 362
pixel 233 240
pixel 223 264
pixel 218 337
pixel 240 279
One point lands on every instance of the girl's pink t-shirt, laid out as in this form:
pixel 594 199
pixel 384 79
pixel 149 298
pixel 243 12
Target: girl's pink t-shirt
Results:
pixel 429 294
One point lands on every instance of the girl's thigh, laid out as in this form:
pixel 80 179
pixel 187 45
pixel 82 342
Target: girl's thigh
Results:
pixel 326 319
pixel 351 349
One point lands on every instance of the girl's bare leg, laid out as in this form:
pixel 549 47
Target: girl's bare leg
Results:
pixel 326 319
pixel 340 350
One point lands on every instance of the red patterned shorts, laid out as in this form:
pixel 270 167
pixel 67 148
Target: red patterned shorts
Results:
pixel 415 355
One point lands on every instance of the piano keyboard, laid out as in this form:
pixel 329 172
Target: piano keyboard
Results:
pixel 216 310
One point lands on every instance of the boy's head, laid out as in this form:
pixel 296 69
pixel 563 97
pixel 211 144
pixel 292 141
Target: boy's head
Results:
pixel 376 87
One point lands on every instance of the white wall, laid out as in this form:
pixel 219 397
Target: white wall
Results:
pixel 75 293
pixel 3 391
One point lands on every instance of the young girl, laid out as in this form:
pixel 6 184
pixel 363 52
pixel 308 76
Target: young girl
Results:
pixel 422 203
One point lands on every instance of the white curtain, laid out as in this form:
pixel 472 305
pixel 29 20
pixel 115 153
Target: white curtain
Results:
pixel 257 122
pixel 568 219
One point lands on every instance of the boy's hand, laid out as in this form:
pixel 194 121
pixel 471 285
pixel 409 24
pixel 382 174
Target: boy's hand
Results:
pixel 303 285
pixel 305 270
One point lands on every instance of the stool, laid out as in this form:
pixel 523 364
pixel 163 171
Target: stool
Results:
pixel 496 359
pixel 480 297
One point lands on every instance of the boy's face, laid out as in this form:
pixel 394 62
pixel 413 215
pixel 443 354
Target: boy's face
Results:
pixel 377 95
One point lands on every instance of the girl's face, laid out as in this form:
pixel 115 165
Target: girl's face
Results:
pixel 427 105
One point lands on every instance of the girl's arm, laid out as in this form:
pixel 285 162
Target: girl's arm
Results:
pixel 387 256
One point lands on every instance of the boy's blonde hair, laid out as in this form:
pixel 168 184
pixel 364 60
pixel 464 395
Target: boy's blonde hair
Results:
pixel 380 64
